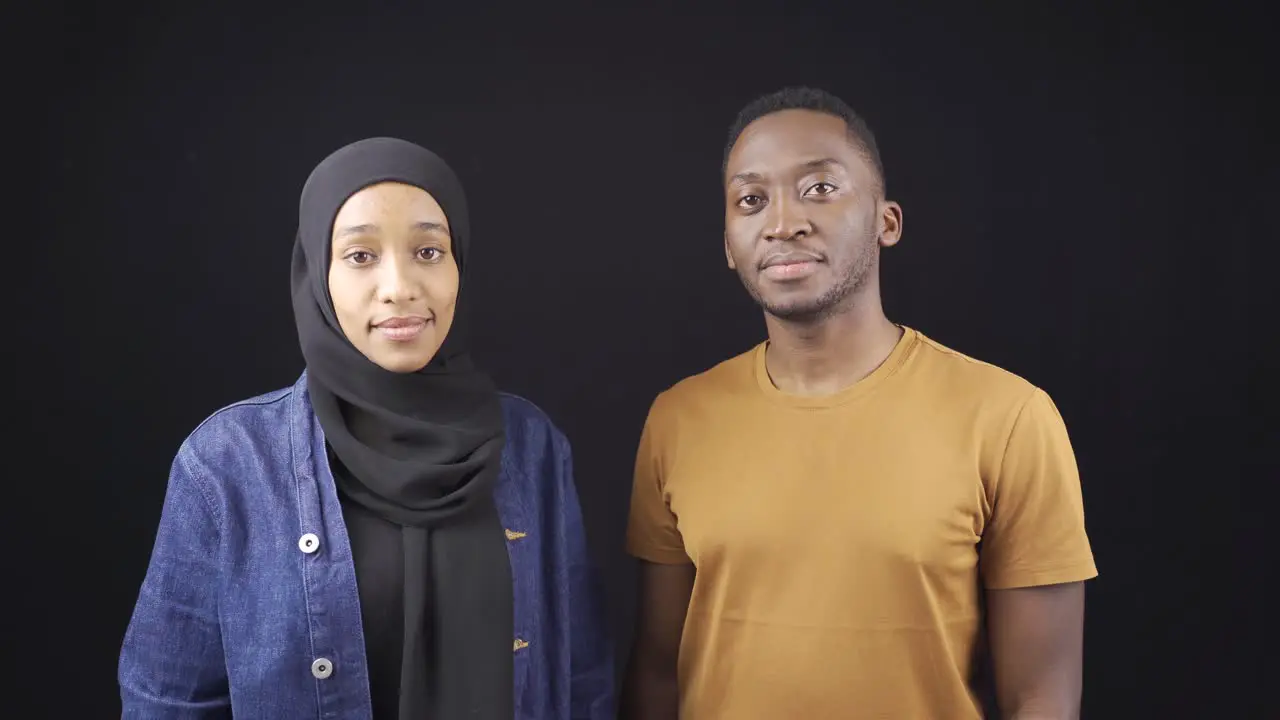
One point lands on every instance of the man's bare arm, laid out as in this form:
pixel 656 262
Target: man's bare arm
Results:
pixel 1037 649
pixel 650 690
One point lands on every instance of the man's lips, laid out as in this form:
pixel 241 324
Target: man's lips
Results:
pixel 794 257
pixel 790 265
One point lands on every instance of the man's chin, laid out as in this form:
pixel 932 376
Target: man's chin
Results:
pixel 806 304
pixel 796 308
pixel 797 313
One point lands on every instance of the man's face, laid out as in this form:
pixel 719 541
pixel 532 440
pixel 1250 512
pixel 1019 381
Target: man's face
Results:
pixel 392 275
pixel 804 220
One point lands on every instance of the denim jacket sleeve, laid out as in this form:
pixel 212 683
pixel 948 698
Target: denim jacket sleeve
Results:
pixel 171 663
pixel 591 655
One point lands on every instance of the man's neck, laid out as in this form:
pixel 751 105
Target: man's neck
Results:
pixel 824 357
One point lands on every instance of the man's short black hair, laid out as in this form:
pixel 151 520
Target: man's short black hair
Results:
pixel 807 98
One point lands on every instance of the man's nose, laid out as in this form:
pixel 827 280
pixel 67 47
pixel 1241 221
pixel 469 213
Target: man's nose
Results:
pixel 786 219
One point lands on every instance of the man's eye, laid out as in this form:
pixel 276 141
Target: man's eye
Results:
pixel 823 188
pixel 750 201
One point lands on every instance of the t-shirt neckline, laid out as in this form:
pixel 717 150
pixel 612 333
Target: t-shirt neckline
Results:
pixel 858 389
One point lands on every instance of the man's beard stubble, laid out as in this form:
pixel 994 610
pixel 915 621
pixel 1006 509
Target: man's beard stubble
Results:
pixel 834 300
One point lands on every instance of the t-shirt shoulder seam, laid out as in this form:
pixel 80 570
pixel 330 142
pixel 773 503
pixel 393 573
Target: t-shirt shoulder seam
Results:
pixel 1028 388
pixel 952 352
pixel 1013 427
pixel 710 373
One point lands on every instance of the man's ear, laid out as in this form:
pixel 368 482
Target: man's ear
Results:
pixel 890 223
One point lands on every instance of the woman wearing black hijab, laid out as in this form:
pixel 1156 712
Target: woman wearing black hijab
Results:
pixel 391 537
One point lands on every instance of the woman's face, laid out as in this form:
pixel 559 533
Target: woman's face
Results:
pixel 392 275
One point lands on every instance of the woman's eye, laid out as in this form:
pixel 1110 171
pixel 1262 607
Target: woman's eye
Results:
pixel 750 201
pixel 360 257
pixel 430 254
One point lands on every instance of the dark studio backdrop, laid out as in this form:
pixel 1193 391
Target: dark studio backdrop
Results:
pixel 1084 196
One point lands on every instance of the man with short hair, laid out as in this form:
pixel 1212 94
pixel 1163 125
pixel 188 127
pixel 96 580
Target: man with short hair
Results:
pixel 833 523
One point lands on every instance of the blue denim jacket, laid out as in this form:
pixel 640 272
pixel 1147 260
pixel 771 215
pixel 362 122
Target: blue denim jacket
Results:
pixel 249 606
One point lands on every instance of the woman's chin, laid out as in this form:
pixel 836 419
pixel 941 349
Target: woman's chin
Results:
pixel 403 360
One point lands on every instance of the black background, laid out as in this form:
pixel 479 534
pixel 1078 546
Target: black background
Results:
pixel 1084 193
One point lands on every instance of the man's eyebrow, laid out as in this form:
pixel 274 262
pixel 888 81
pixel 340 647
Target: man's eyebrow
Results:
pixel 745 178
pixel 821 164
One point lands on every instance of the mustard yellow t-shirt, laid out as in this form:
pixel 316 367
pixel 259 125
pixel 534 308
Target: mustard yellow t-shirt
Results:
pixel 836 538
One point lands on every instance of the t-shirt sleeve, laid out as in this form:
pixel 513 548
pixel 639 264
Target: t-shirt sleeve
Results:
pixel 1036 533
pixel 652 532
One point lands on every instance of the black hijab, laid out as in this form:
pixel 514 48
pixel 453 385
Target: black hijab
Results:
pixel 420 450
